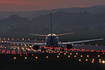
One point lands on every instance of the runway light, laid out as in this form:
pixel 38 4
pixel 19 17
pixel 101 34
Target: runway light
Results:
pixel 86 59
pixel 81 55
pixel 70 53
pixel 21 44
pixel 78 49
pixel 8 38
pixel 79 59
pixel 28 39
pixel 64 53
pixel 35 39
pixel 20 54
pixel 92 61
pixel 13 52
pixel 74 55
pixel 57 56
pixel 25 58
pixel 36 57
pixel 22 38
pixel 82 43
pixel 97 51
pixel 99 60
pixel 87 50
pixel 12 38
pixel 68 56
pixel 58 53
pixel 14 58
pixel 17 38
pixel 5 47
pixel 87 55
pixel 3 38
pixel 89 44
pixel 8 52
pixel 62 45
pixel 30 46
pixel 32 54
pixel 96 44
pixel 103 61
pixel 98 55
pixel 3 51
pixel 46 56
pixel 102 44
pixel 75 45
pixel 26 54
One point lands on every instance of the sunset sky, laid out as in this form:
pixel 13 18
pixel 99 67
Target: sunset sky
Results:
pixel 28 5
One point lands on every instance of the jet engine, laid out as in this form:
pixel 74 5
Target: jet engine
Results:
pixel 69 46
pixel 36 47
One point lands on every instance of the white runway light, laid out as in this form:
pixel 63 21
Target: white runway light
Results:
pixel 103 61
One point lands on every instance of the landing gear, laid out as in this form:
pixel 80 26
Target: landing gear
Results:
pixel 36 47
pixel 61 49
pixel 53 49
pixel 42 49
pixel 69 46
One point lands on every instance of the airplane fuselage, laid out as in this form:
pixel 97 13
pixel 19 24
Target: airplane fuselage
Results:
pixel 52 40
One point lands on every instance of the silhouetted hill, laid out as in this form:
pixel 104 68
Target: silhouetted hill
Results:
pixel 62 21
pixel 34 14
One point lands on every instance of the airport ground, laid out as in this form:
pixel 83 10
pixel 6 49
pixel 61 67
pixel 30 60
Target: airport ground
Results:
pixel 90 56
pixel 84 57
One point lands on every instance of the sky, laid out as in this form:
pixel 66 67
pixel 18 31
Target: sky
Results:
pixel 30 5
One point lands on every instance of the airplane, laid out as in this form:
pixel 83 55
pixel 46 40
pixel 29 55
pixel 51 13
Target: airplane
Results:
pixel 52 40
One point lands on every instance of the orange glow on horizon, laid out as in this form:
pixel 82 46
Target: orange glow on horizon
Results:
pixel 18 2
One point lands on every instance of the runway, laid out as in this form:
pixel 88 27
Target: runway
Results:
pixel 84 57
pixel 6 48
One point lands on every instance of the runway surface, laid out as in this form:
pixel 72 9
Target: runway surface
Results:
pixel 81 57
pixel 6 48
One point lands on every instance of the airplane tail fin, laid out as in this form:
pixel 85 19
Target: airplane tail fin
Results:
pixel 51 23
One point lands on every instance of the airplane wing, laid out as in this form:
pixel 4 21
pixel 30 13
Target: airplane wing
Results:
pixel 40 44
pixel 65 43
